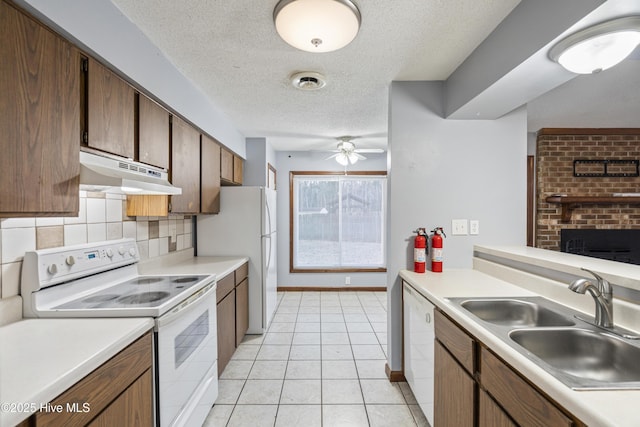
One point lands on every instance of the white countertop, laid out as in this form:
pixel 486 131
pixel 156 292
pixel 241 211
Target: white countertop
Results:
pixel 41 358
pixel 595 408
pixel 185 263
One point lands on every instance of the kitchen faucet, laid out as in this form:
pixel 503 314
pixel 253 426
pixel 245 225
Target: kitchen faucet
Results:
pixel 602 295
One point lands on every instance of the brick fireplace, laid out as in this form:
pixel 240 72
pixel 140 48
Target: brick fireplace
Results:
pixel 556 151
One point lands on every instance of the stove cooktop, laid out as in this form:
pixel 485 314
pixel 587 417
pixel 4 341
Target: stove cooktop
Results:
pixel 141 291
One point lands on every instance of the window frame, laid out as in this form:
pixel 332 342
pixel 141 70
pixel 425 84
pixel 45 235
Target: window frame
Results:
pixel 292 269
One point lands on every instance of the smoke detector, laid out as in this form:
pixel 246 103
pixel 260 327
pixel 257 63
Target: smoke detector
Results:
pixel 308 80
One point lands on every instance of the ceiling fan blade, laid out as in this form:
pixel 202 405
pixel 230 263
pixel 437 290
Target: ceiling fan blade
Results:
pixel 359 156
pixel 332 156
pixel 369 150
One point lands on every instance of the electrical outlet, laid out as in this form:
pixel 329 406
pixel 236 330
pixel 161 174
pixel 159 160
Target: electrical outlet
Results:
pixel 474 227
pixel 347 280
pixel 459 227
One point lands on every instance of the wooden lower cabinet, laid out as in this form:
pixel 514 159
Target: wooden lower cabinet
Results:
pixel 475 387
pixel 118 393
pixel 242 310
pixel 454 391
pixel 490 414
pixel 226 329
pixel 233 313
pixel 128 408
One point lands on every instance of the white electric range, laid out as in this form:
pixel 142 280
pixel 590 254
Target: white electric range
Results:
pixel 102 280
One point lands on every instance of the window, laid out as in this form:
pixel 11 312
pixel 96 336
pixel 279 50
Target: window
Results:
pixel 338 221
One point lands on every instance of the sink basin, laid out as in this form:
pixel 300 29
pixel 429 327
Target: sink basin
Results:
pixel 583 353
pixel 515 313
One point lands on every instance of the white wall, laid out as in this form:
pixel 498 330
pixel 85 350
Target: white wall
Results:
pixel 101 29
pixel 260 154
pixel 288 161
pixel 441 170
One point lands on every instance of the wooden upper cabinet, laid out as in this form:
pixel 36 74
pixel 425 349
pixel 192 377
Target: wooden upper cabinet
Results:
pixel 153 133
pixel 110 116
pixel 39 119
pixel 185 166
pixel 209 176
pixel 226 165
pixel 230 168
pixel 237 169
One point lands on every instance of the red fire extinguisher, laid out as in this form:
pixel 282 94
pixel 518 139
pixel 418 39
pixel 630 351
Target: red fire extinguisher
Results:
pixel 420 251
pixel 436 249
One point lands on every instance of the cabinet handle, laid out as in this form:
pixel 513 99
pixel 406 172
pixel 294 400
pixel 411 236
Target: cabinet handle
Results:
pixel 427 317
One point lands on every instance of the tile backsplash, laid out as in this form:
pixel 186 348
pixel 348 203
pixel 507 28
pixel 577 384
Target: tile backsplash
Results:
pixel 101 217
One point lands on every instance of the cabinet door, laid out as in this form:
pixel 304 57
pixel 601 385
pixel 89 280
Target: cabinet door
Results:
pixel 519 399
pixel 185 166
pixel 454 391
pixel 237 169
pixel 153 133
pixel 242 310
pixel 226 165
pixel 491 415
pixel 226 315
pixel 419 336
pixel 209 176
pixel 134 407
pixel 110 111
pixel 39 119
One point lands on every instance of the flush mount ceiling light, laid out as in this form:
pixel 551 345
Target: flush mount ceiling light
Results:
pixel 317 25
pixel 598 48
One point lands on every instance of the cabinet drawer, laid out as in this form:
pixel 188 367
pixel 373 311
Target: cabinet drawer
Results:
pixel 242 272
pixel 224 286
pixel 455 340
pixel 519 399
pixel 102 386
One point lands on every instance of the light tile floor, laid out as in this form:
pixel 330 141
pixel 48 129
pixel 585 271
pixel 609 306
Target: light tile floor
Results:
pixel 321 363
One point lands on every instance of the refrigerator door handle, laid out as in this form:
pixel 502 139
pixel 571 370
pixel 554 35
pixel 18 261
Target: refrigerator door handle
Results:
pixel 266 204
pixel 268 246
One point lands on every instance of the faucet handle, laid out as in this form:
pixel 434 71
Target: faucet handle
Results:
pixel 592 273
pixel 603 285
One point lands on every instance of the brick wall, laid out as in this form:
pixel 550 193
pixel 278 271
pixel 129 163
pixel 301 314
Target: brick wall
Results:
pixel 556 151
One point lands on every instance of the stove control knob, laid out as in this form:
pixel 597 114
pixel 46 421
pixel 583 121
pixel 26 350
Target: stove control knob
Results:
pixel 70 260
pixel 52 269
pixel 132 252
pixel 110 253
pixel 121 250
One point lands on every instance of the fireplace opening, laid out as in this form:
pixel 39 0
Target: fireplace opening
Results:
pixel 615 245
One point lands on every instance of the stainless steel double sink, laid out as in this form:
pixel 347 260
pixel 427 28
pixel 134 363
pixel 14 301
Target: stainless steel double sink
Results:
pixel 579 354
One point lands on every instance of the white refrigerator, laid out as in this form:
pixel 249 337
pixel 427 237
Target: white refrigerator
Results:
pixel 246 226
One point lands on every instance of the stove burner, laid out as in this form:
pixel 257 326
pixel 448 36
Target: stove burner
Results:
pixel 143 298
pixel 100 298
pixel 185 280
pixel 146 280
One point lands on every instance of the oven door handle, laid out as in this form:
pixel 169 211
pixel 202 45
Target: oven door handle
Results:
pixel 187 305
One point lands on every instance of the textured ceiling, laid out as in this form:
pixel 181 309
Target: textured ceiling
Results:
pixel 231 51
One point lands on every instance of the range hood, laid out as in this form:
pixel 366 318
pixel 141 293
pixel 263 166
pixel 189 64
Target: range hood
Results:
pixel 122 176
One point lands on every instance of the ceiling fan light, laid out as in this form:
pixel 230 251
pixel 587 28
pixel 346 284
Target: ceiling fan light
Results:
pixel 342 159
pixel 353 158
pixel 598 48
pixel 317 25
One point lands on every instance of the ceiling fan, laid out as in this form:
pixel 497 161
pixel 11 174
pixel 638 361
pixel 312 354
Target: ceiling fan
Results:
pixel 347 153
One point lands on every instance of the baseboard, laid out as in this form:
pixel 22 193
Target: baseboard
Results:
pixel 394 376
pixel 329 289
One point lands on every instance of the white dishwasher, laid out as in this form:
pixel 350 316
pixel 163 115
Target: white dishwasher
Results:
pixel 419 336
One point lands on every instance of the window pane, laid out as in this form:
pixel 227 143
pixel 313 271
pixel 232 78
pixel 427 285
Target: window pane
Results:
pixel 339 221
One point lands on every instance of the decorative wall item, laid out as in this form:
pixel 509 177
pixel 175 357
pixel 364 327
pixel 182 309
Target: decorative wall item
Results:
pixel 605 168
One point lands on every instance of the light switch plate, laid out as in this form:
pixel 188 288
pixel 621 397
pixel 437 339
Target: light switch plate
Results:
pixel 459 227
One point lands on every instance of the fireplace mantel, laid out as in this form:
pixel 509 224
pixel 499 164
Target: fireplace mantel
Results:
pixel 569 203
